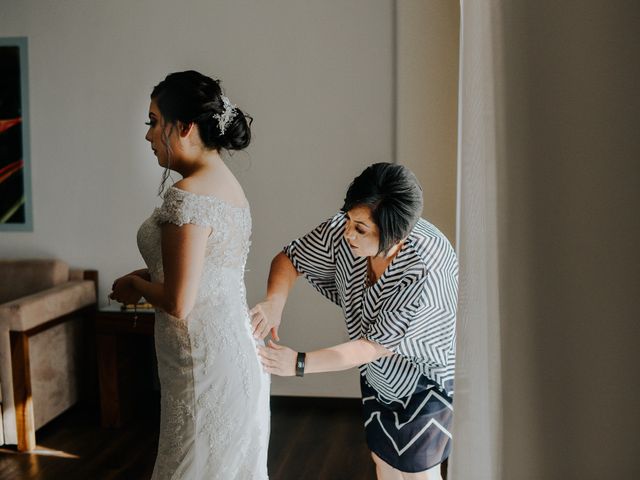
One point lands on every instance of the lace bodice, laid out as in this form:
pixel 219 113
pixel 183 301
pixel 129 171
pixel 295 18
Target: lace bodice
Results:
pixel 229 241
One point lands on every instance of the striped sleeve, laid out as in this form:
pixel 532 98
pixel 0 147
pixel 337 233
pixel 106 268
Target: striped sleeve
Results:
pixel 313 255
pixel 418 322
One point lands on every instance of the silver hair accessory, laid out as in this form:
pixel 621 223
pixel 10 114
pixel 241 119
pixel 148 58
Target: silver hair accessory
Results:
pixel 225 117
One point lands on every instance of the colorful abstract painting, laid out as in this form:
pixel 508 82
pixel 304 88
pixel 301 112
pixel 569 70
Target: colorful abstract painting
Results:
pixel 15 180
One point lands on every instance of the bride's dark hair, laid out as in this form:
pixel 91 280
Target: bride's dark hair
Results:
pixel 191 97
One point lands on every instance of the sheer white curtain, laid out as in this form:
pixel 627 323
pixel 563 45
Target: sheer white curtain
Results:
pixel 477 427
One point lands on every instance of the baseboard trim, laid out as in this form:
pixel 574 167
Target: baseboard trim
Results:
pixel 328 403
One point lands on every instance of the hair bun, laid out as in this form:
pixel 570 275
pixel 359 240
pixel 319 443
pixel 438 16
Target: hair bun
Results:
pixel 237 133
pixel 193 97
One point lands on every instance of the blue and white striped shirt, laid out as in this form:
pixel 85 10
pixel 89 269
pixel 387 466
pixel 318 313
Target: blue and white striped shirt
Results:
pixel 410 310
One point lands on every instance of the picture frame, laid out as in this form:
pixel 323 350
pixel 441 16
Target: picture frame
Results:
pixel 15 164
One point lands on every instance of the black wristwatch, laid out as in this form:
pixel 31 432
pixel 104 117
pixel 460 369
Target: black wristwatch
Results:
pixel 300 364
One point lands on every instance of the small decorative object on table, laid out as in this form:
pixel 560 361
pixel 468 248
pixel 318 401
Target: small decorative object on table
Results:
pixel 134 307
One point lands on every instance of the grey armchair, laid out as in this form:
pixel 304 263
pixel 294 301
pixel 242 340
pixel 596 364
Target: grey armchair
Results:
pixel 42 306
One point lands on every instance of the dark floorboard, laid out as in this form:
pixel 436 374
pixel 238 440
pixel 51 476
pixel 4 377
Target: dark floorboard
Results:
pixel 310 439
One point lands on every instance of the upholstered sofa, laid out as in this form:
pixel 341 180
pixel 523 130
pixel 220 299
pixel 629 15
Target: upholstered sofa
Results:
pixel 43 304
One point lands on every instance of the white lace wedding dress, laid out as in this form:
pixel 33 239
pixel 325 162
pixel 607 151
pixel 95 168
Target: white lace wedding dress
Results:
pixel 214 417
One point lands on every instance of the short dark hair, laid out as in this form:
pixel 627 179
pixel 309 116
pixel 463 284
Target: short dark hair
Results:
pixel 191 97
pixel 393 194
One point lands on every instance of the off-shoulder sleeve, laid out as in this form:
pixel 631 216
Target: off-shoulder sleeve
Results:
pixel 418 321
pixel 180 207
pixel 313 255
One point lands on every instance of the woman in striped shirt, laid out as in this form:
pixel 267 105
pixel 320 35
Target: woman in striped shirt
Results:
pixel 395 276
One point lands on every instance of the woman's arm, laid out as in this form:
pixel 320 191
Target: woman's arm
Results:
pixel 183 249
pixel 281 360
pixel 126 284
pixel 266 315
pixel 142 273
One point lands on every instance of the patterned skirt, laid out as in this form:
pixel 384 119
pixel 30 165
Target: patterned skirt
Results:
pixel 411 434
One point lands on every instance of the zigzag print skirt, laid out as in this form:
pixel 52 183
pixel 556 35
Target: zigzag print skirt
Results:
pixel 411 434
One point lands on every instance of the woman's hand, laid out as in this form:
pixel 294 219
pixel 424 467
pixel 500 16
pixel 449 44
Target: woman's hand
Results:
pixel 124 292
pixel 142 273
pixel 278 359
pixel 265 318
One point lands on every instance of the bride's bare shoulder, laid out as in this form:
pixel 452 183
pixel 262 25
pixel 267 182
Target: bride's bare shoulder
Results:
pixel 229 190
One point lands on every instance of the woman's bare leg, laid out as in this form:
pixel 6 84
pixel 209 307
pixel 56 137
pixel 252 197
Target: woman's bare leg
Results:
pixel 384 471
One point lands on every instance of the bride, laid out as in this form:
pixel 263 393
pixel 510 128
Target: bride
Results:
pixel 214 420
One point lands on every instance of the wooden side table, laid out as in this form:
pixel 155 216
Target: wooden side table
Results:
pixel 116 330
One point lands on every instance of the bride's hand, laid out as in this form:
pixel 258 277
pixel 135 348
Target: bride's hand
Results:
pixel 142 273
pixel 265 319
pixel 124 292
pixel 278 359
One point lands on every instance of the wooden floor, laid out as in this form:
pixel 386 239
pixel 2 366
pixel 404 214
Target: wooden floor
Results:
pixel 310 439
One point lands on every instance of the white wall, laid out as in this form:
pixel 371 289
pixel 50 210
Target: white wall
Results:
pixel 427 42
pixel 317 77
